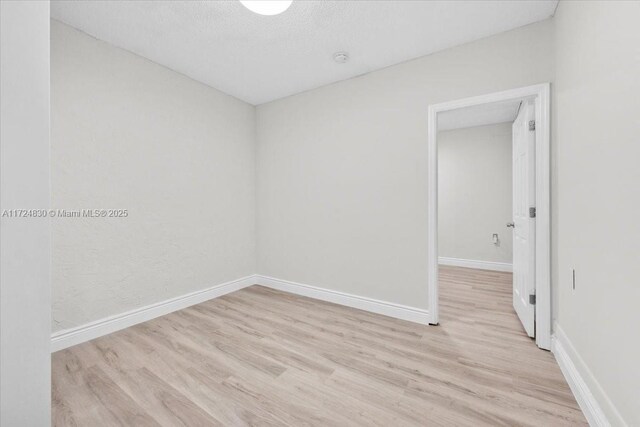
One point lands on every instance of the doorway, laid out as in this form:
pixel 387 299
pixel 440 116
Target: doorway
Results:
pixel 532 282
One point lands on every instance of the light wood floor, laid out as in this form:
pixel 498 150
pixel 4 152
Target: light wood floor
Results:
pixel 262 357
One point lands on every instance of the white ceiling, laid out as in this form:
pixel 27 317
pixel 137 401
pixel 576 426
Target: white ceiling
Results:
pixel 262 58
pixel 479 115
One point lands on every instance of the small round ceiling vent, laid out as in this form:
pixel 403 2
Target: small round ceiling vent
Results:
pixel 341 57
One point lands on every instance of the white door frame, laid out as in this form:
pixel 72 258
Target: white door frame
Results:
pixel 541 94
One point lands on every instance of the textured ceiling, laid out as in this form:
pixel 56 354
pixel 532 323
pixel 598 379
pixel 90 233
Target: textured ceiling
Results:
pixel 479 115
pixel 261 58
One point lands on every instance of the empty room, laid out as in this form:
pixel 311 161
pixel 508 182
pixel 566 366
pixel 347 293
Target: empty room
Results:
pixel 319 213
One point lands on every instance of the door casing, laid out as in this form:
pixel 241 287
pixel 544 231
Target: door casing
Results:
pixel 540 93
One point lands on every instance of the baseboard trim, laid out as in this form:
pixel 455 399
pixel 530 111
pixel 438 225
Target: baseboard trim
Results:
pixel 472 263
pixel 397 311
pixel 73 336
pixel 70 337
pixel 571 364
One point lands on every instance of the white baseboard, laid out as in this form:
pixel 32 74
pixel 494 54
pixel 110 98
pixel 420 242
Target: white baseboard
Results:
pixel 472 263
pixel 73 336
pixel 398 311
pixel 69 337
pixel 571 365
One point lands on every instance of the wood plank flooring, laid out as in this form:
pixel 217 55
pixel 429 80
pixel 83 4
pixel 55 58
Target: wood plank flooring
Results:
pixel 263 357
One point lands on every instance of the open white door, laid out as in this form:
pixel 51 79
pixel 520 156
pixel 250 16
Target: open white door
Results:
pixel 524 226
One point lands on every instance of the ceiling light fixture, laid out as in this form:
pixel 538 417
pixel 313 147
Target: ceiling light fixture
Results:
pixel 341 57
pixel 267 7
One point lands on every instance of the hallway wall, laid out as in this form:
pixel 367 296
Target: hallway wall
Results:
pixel 474 193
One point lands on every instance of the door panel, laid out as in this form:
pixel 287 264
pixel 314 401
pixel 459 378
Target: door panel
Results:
pixel 523 224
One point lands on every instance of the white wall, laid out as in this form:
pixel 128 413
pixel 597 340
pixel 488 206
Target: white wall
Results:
pixel 179 155
pixel 597 194
pixel 342 170
pixel 341 173
pixel 25 298
pixel 474 193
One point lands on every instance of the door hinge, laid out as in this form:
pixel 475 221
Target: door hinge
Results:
pixel 532 212
pixel 532 299
pixel 532 125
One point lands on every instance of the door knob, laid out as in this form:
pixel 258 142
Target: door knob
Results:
pixel 511 224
